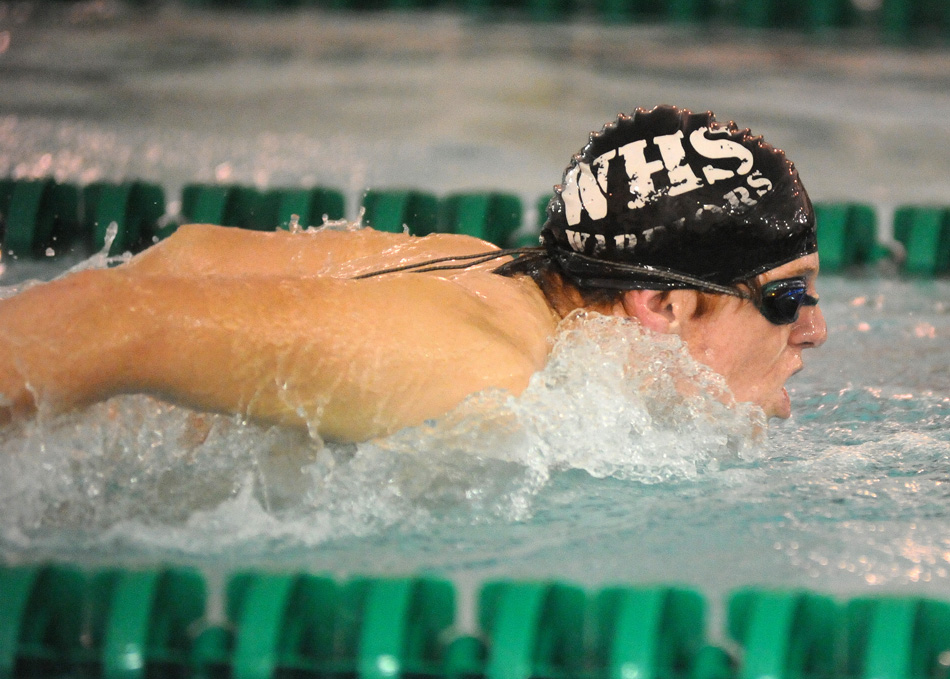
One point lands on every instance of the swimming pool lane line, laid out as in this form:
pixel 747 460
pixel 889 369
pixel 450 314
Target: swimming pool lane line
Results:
pixel 43 218
pixel 58 620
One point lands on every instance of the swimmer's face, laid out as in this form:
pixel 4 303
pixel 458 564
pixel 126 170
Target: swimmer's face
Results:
pixel 754 355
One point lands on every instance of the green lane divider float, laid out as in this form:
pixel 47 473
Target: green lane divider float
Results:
pixel 464 658
pixel 282 622
pixel 41 217
pixel 891 20
pixel 823 15
pixel 38 215
pixel 311 206
pixel 141 621
pixel 652 633
pixel 494 217
pixel 249 208
pixel 550 10
pixel 395 210
pixel 925 234
pixel 847 235
pixel 229 205
pixel 760 13
pixel 41 620
pixel 689 11
pixel 134 208
pixel 526 238
pixel 891 638
pixel 57 621
pixel 808 15
pixel 904 20
pixel 6 194
pixel 400 626
pixel 306 625
pixel 534 629
pixel 628 11
pixel 785 635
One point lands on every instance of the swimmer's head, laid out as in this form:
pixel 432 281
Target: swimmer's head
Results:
pixel 668 199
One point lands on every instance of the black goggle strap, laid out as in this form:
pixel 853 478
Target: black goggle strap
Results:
pixel 779 301
pixel 441 263
pixel 589 272
pixel 585 271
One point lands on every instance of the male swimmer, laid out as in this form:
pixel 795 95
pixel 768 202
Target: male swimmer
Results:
pixel 665 217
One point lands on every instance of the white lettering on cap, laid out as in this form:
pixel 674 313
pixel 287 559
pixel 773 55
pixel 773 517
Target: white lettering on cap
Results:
pixel 762 185
pixel 581 191
pixel 593 191
pixel 570 196
pixel 682 178
pixel 639 171
pixel 625 241
pixel 716 149
pixel 576 239
pixel 740 196
pixel 585 186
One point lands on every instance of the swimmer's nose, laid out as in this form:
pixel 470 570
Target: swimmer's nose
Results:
pixel 810 329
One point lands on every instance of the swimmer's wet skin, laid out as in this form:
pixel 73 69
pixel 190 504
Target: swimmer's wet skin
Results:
pixel 361 358
pixel 665 217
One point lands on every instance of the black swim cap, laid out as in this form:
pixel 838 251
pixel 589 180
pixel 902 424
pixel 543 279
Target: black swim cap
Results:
pixel 679 197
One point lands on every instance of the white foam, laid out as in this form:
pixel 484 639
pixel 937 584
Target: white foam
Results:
pixel 613 400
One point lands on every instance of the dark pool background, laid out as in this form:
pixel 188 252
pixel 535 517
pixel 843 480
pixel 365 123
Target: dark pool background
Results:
pixel 850 495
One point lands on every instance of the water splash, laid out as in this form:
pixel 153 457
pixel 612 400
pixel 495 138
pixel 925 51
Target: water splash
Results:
pixel 98 260
pixel 102 259
pixel 614 400
pixel 294 225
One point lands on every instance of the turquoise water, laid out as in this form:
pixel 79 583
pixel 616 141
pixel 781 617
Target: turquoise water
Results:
pixel 586 478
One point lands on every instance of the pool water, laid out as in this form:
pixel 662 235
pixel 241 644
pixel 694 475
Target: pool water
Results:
pixel 602 471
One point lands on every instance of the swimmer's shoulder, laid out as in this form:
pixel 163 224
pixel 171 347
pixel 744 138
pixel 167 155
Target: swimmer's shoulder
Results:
pixel 366 250
pixel 338 252
pixel 512 309
pixel 345 253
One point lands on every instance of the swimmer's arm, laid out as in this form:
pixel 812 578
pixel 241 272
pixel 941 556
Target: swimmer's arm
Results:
pixel 61 344
pixel 355 360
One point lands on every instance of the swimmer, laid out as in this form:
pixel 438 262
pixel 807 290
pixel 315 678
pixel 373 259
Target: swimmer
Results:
pixel 665 217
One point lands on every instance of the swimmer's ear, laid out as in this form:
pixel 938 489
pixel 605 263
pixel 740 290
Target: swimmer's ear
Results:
pixel 659 310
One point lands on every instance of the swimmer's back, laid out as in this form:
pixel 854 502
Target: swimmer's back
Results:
pixel 214 250
pixel 372 355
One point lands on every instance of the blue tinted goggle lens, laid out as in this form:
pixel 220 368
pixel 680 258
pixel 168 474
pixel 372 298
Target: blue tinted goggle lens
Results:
pixel 781 300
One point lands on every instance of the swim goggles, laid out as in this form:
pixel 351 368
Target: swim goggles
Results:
pixel 780 301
